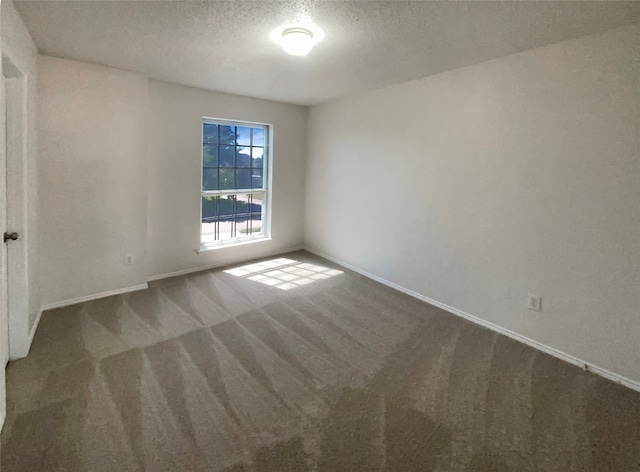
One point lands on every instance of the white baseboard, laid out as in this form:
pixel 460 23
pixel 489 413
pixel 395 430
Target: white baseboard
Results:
pixel 33 331
pixel 73 301
pixel 144 286
pixel 222 264
pixel 635 385
pixel 88 298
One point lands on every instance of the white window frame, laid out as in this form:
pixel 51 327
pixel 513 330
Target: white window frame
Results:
pixel 265 233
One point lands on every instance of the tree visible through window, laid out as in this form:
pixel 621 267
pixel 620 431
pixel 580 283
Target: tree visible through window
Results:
pixel 234 181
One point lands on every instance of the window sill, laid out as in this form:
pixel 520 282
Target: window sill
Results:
pixel 215 246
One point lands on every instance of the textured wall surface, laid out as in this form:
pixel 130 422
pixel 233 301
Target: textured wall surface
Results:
pixel 92 178
pixel 476 186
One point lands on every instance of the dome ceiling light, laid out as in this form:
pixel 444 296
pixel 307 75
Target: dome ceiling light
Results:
pixel 297 40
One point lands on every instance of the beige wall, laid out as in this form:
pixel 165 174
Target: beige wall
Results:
pixel 175 153
pixel 478 185
pixel 119 169
pixel 92 178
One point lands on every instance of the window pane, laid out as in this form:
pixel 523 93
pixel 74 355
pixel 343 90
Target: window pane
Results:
pixel 210 155
pixel 226 207
pixel 258 136
pixel 243 158
pixel 209 208
pixel 257 157
pixel 244 136
pixel 226 179
pixel 242 206
pixel 210 178
pixel 218 218
pixel 255 225
pixel 249 214
pixel 243 178
pixel 256 178
pixel 209 133
pixel 209 219
pixel 231 216
pixel 255 207
pixel 227 156
pixel 227 134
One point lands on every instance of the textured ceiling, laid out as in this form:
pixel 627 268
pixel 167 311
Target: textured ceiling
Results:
pixel 225 45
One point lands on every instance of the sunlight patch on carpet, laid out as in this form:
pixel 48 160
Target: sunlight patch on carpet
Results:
pixel 284 273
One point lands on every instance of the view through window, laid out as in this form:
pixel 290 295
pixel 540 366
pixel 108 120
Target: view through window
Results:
pixel 234 182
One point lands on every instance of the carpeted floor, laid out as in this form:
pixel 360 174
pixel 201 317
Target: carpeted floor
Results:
pixel 295 364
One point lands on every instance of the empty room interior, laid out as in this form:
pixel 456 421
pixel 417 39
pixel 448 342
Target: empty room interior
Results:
pixel 320 236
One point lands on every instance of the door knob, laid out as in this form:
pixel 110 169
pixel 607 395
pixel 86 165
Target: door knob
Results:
pixel 10 236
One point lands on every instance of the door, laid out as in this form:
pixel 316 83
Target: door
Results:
pixel 4 323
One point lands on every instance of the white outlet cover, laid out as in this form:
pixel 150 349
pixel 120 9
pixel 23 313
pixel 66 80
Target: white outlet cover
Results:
pixel 534 302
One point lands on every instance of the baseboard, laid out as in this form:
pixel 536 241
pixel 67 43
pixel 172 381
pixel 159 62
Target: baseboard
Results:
pixel 73 301
pixel 221 264
pixel 33 330
pixel 88 298
pixel 632 384
pixel 144 286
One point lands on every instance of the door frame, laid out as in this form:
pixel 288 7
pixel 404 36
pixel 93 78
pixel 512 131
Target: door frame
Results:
pixel 4 326
pixel 15 114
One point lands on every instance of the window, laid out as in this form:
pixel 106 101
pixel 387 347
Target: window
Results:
pixel 234 182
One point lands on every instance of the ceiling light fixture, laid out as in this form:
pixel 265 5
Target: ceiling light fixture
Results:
pixel 297 39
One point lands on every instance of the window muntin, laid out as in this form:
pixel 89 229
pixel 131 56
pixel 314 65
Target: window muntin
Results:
pixel 234 182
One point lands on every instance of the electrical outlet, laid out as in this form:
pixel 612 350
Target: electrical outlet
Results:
pixel 128 259
pixel 534 302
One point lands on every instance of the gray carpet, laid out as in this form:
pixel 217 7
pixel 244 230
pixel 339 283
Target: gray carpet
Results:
pixel 299 365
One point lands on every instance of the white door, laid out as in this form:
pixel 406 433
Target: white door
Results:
pixel 4 324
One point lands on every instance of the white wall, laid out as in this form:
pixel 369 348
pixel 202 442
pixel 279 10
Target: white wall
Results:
pixel 175 155
pixel 119 170
pixel 24 289
pixel 475 186
pixel 92 178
